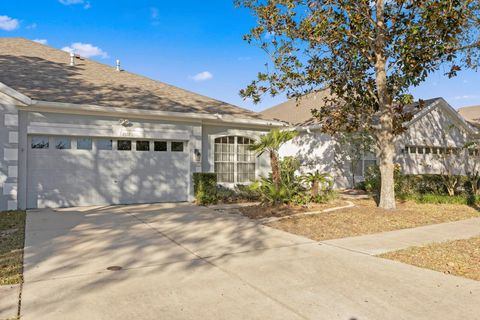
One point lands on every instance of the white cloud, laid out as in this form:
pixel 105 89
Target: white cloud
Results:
pixel 154 16
pixel 86 50
pixel 86 4
pixel 466 97
pixel 8 24
pixel 41 41
pixel 32 26
pixel 202 76
pixel 154 13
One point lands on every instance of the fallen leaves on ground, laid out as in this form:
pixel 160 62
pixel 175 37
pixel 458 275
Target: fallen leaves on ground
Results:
pixel 283 210
pixel 459 257
pixel 367 218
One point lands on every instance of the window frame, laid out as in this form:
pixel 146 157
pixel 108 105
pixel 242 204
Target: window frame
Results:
pixel 235 155
pixel 160 141
pixel 44 147
pixel 141 142
pixel 84 138
pixel 56 140
pixel 179 142
pixel 129 142
pixel 104 139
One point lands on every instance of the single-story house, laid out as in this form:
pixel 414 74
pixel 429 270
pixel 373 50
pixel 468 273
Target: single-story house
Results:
pixel 75 132
pixel 433 140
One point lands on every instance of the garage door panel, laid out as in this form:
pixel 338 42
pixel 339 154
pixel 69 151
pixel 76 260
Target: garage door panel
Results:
pixel 61 178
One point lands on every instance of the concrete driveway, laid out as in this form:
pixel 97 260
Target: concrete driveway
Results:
pixel 180 261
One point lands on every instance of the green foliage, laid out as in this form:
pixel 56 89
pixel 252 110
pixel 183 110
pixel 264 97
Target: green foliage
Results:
pixel 319 182
pixel 443 199
pixel 305 198
pixel 272 141
pixel 415 184
pixel 292 188
pixel 353 146
pixel 245 193
pixel 271 194
pixel 341 45
pixel 241 193
pixel 205 187
pixel 288 167
pixel 372 181
pixel 367 54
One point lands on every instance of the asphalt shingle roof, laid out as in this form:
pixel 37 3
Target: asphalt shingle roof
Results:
pixel 44 73
pixel 471 115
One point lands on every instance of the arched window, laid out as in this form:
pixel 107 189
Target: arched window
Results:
pixel 234 162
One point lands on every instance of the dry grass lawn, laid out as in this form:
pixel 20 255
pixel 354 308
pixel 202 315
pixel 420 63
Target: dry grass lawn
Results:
pixel 12 237
pixel 366 218
pixel 460 257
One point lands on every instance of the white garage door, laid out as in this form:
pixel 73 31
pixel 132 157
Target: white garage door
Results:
pixel 82 171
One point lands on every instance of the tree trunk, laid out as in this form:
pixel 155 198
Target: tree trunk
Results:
pixel 352 169
pixel 384 132
pixel 387 185
pixel 275 169
pixel 315 188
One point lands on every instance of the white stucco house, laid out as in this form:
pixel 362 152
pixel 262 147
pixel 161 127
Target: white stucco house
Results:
pixel 434 130
pixel 75 132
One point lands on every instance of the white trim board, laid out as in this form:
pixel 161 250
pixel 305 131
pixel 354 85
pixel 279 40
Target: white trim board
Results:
pixel 112 131
pixel 70 108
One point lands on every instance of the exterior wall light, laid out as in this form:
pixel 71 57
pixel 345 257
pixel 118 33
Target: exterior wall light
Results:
pixel 197 155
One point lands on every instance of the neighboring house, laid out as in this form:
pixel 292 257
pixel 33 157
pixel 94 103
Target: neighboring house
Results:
pixel 75 132
pixel 435 135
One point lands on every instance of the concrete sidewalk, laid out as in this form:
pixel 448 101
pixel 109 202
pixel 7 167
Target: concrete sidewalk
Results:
pixel 185 262
pixel 378 243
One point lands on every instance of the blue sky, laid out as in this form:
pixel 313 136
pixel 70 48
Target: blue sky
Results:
pixel 196 45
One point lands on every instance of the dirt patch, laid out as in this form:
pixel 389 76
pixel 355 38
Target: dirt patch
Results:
pixel 367 218
pixel 261 212
pixel 12 236
pixel 460 257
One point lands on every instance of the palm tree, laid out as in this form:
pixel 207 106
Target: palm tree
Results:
pixel 271 143
pixel 315 179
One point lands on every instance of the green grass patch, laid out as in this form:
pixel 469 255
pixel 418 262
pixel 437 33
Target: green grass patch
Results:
pixel 442 199
pixel 12 239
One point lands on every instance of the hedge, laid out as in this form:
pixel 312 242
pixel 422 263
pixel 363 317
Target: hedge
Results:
pixel 205 187
pixel 414 184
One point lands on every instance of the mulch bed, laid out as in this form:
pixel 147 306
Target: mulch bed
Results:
pixel 261 212
pixel 460 257
pixel 367 218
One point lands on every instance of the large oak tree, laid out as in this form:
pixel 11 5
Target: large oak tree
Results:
pixel 368 53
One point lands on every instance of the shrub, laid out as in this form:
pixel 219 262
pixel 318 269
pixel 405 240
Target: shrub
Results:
pixel 415 184
pixel 293 188
pixel 270 194
pixel 205 187
pixel 238 194
pixel 244 192
pixel 372 181
pixel 443 199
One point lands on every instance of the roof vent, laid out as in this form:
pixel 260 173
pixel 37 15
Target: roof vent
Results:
pixel 72 58
pixel 118 65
